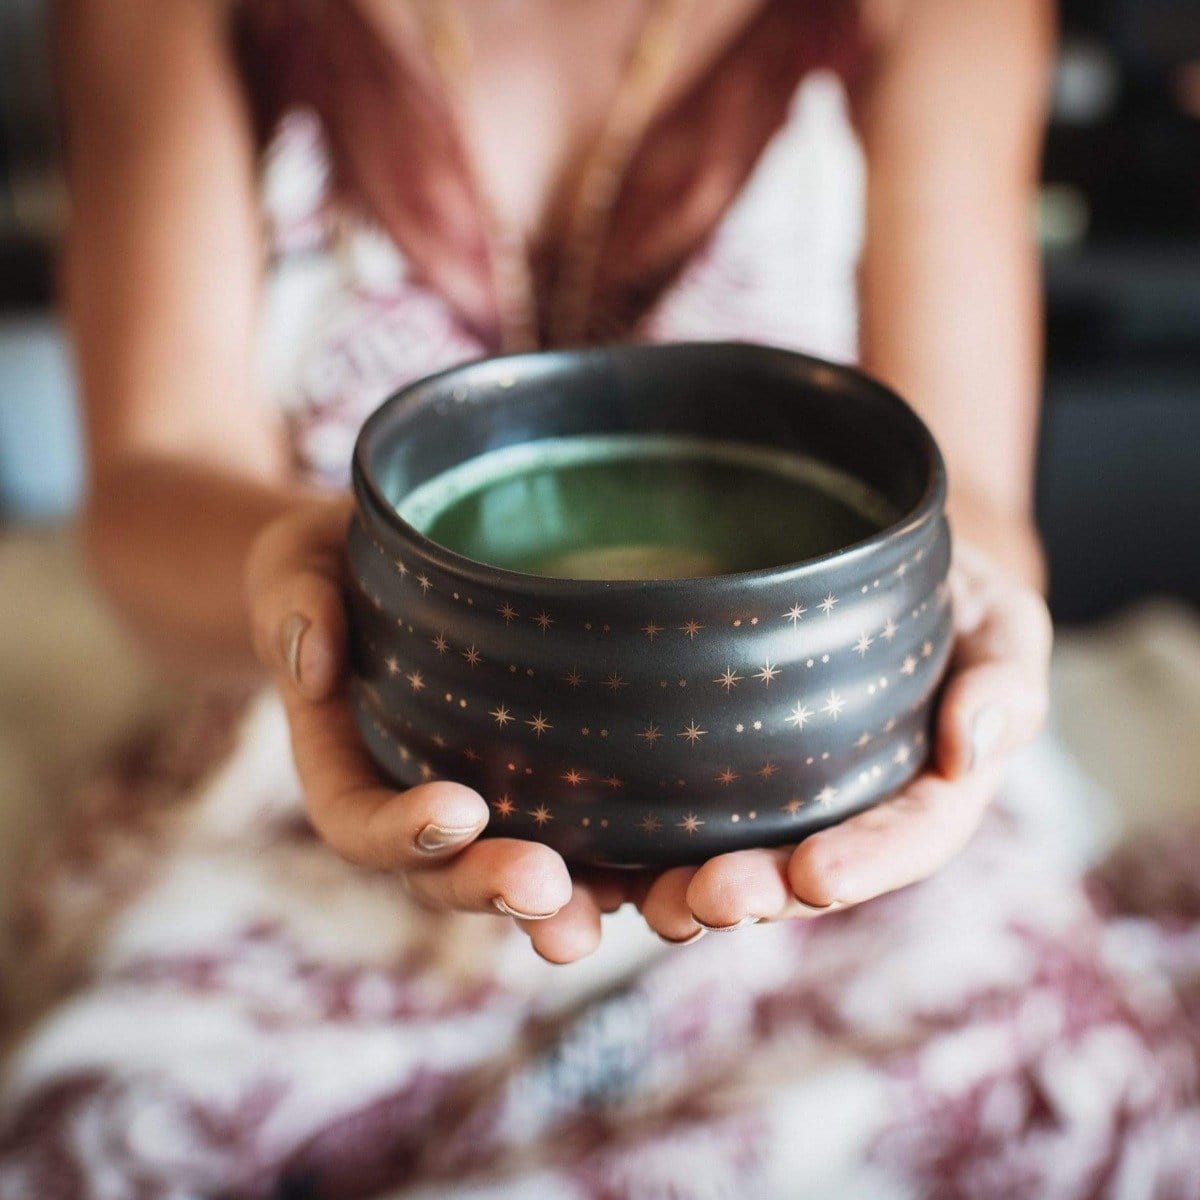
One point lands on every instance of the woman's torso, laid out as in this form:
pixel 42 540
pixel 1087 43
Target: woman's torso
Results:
pixel 736 213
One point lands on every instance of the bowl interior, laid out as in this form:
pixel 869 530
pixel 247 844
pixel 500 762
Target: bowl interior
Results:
pixel 646 461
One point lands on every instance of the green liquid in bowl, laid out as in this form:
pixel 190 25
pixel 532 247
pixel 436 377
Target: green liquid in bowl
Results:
pixel 643 506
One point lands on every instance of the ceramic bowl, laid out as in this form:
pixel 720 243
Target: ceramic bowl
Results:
pixel 652 721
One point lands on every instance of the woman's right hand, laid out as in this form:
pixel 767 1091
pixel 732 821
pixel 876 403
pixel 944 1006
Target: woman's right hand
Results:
pixel 295 576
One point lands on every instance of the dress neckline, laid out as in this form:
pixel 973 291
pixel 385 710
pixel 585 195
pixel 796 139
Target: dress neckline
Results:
pixel 398 154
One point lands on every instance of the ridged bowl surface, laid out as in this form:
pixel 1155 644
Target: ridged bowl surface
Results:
pixel 640 722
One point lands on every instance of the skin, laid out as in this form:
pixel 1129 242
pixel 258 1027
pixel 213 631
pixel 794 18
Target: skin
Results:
pixel 191 492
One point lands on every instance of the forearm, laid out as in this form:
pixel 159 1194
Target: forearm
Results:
pixel 961 342
pixel 160 279
pixel 167 539
pixel 950 287
pixel 952 321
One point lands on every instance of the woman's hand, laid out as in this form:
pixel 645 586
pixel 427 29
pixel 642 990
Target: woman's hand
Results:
pixel 294 579
pixel 994 702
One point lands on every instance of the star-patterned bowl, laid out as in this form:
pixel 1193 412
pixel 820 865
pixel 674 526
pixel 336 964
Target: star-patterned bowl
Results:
pixel 651 721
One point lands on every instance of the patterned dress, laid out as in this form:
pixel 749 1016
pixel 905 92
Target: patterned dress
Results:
pixel 222 1009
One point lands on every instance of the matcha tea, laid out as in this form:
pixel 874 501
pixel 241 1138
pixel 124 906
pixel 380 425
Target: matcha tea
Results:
pixel 643 506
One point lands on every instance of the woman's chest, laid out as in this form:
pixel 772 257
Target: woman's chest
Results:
pixel 534 83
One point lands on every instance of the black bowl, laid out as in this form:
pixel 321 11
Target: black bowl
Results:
pixel 599 716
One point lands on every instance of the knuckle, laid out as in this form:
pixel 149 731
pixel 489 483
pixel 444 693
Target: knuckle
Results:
pixel 816 872
pixel 342 823
pixel 1035 617
pixel 266 550
pixel 525 861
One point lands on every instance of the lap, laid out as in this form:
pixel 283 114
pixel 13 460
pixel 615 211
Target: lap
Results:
pixel 253 1015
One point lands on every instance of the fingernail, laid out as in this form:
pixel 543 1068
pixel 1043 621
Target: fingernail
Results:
pixel 816 910
pixel 687 941
pixel 726 928
pixel 507 909
pixel 433 838
pixel 290 633
pixel 986 731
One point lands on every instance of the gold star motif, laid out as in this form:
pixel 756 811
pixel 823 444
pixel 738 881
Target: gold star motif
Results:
pixel 833 706
pixel 501 715
pixel 800 715
pixel 574 679
pixel 543 620
pixel 793 806
pixel 541 815
pixel 614 782
pixel 826 605
pixel 393 666
pixel 927 650
pixel 863 739
pixel 693 733
pixel 826 796
pixel 614 682
pixel 889 630
pixel 423 580
pixel 690 824
pixel 398 563
pixel 573 777
pixel 768 673
pixel 471 754
pixel 415 681
pixel 909 666
pixel 509 613
pixel 794 613
pixel 691 628
pixel 863 644
pixel 726 777
pixel 426 772
pixel 650 734
pixel 504 807
pixel 767 770
pixel 539 724
pixel 651 630
pixel 473 656
pixel 729 680
pixel 649 824
pixel 440 644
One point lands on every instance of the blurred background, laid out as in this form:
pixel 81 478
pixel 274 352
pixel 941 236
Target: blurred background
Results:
pixel 1119 495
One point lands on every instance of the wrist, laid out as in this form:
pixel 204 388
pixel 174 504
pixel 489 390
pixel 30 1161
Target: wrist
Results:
pixel 1007 537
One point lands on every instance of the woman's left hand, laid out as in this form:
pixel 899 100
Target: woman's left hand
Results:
pixel 994 702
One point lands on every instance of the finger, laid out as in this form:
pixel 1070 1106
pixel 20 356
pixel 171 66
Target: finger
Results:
pixel 739 889
pixel 525 880
pixel 665 907
pixel 997 694
pixel 363 819
pixel 572 933
pixel 294 587
pixel 892 845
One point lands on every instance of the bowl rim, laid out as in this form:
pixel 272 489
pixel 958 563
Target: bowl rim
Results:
pixel 372 503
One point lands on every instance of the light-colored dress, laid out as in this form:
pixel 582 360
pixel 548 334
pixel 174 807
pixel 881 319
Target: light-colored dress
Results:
pixel 228 1011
